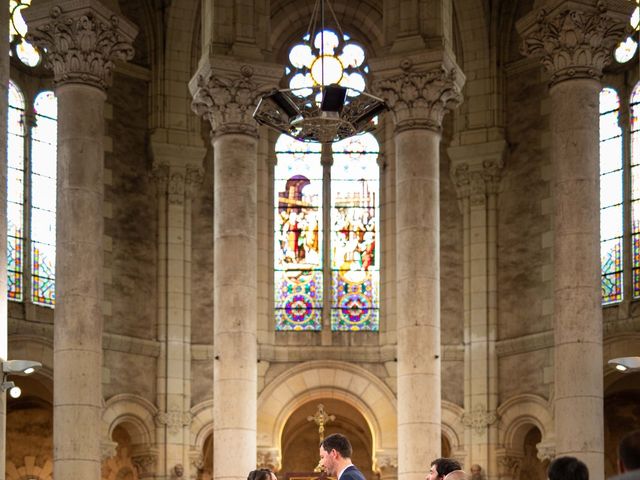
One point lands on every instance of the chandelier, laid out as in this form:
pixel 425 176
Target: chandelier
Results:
pixel 326 101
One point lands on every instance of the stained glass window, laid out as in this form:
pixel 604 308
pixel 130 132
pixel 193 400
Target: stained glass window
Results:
pixel 17 32
pixel 634 116
pixel 355 275
pixel 15 193
pixel 298 279
pixel 31 196
pixel 43 199
pixel 350 268
pixel 611 197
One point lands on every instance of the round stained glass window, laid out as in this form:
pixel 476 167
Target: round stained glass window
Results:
pixel 326 70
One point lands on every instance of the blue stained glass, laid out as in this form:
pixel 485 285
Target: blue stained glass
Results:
pixel 15 193
pixel 43 273
pixel 635 187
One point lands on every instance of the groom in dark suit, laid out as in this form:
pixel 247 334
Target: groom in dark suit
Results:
pixel 335 457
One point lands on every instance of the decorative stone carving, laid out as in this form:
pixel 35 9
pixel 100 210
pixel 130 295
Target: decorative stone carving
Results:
pixel 107 449
pixel 145 465
pixel 577 40
pixel 227 102
pixel 510 465
pixel 193 179
pixel 80 40
pixel 177 183
pixel 268 458
pixel 174 419
pixel 546 451
pixel 386 465
pixel 479 418
pixel 477 180
pixel 420 99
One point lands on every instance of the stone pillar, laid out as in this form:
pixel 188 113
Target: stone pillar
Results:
pixel 227 98
pixel 575 40
pixel 4 87
pixel 80 40
pixel 178 170
pixel 419 99
pixel 476 170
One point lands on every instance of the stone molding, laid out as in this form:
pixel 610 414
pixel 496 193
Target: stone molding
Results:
pixel 80 40
pixel 173 419
pixel 268 458
pixel 178 183
pixel 420 100
pixel 575 39
pixel 546 451
pixel 479 419
pixel 107 449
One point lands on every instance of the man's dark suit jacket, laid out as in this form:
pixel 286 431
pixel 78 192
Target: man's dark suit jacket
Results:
pixel 352 473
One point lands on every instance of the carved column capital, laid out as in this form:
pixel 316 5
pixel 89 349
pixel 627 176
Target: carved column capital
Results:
pixel 386 464
pixel 268 458
pixel 173 419
pixel 80 40
pixel 420 99
pixel 575 39
pixel 226 92
pixel 479 419
pixel 476 170
pixel 509 463
pixel 145 464
pixel 546 450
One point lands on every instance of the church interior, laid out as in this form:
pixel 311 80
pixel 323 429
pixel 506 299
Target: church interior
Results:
pixel 208 295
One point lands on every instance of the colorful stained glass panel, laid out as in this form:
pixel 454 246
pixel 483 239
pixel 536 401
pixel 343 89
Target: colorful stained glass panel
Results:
pixel 15 193
pixel 354 234
pixel 298 278
pixel 635 187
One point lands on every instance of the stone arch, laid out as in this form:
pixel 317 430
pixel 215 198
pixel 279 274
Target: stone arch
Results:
pixel 133 413
pixel 319 379
pixel 201 424
pixel 40 349
pixel 521 412
pixel 621 345
pixel 453 429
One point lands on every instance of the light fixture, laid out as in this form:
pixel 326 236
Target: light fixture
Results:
pixel 326 101
pixel 625 364
pixel 15 392
pixel 16 367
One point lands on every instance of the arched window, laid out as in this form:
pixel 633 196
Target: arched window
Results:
pixel 31 152
pixel 326 205
pixel 19 46
pixel 619 195
pixel 628 48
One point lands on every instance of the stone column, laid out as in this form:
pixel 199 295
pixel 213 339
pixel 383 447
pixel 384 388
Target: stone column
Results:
pixel 575 40
pixel 80 38
pixel 4 87
pixel 419 99
pixel 476 171
pixel 227 97
pixel 178 170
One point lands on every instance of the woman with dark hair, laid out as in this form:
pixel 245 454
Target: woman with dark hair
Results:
pixel 261 474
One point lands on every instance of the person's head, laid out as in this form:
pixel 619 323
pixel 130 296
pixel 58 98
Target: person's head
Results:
pixel 456 475
pixel 441 467
pixel 629 452
pixel 335 451
pixel 567 468
pixel 261 474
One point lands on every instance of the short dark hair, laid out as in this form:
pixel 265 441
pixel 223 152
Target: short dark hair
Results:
pixel 339 443
pixel 259 474
pixel 567 468
pixel 629 451
pixel 445 466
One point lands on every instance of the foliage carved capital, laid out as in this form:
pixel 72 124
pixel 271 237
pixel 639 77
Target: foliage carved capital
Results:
pixel 420 99
pixel 575 39
pixel 80 40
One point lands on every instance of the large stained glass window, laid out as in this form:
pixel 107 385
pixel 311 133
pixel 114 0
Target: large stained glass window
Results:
pixel 31 196
pixel 634 117
pixel 342 200
pixel 620 194
pixel 626 51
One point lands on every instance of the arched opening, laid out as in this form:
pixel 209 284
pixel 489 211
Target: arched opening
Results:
pixel 300 437
pixel 205 470
pixel 120 466
pixel 29 433
pixel 621 416
pixel 531 467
